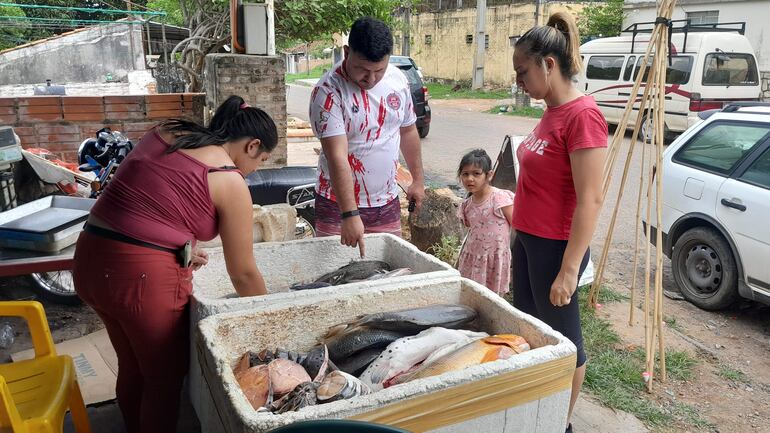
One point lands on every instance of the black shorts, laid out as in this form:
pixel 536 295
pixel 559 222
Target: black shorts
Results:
pixel 536 262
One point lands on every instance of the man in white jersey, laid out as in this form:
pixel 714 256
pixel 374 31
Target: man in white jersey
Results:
pixel 362 112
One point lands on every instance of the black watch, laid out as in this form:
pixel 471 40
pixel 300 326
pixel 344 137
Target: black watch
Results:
pixel 350 213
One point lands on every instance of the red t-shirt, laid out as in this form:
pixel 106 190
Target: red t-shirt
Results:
pixel 545 194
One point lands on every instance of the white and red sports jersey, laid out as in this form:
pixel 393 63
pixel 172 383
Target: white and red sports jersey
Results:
pixel 372 121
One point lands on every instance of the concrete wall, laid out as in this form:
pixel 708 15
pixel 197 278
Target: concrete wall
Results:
pixel 81 56
pixel 450 57
pixel 61 123
pixel 259 80
pixel 139 83
pixel 753 12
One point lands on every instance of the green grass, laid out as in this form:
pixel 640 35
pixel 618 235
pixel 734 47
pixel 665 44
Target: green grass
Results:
pixel 447 249
pixel 614 372
pixel 672 323
pixel 445 91
pixel 730 373
pixel 316 72
pixel 521 112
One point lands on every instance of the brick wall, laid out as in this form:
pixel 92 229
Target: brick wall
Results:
pixel 61 123
pixel 259 80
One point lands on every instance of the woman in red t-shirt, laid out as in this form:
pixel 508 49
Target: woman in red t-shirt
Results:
pixel 558 196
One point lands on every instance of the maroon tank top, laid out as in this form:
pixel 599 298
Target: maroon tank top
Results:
pixel 158 197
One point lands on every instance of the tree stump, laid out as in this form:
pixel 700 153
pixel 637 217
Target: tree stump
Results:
pixel 437 218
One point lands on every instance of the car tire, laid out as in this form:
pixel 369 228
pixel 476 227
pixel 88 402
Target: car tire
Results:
pixel 642 132
pixel 423 131
pixel 704 269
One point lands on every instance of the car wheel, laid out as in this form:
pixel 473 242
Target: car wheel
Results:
pixel 646 131
pixel 423 131
pixel 704 269
pixel 57 287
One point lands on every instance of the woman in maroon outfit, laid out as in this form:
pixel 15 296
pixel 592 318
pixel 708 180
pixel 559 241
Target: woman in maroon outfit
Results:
pixel 133 263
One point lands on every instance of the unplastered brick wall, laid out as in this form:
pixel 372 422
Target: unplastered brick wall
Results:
pixel 61 123
pixel 259 80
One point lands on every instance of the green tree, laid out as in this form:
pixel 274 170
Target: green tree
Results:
pixel 603 19
pixel 309 20
pixel 11 34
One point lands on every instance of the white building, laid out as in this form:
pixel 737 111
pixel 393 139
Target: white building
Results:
pixel 755 13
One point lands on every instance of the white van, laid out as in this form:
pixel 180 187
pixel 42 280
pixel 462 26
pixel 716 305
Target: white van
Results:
pixel 711 65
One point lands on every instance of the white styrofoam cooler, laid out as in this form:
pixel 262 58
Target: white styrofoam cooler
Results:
pixel 285 263
pixel 223 338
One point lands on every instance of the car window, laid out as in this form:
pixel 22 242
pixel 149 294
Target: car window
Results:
pixel 730 69
pixel 758 172
pixel 629 68
pixel 604 67
pixel 720 146
pixel 678 72
pixel 411 74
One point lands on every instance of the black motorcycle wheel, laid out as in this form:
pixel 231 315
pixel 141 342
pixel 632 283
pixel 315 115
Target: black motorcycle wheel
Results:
pixel 305 223
pixel 57 287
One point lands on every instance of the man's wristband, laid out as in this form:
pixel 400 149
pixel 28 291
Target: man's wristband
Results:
pixel 350 213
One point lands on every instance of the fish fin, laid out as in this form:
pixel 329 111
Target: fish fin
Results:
pixel 492 354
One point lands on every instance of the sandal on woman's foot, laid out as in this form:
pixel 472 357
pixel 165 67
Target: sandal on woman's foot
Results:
pixel 569 428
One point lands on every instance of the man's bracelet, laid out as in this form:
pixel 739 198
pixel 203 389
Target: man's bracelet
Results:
pixel 350 213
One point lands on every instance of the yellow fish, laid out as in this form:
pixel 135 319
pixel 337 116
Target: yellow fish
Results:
pixel 487 349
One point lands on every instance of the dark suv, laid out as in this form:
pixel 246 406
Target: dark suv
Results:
pixel 419 92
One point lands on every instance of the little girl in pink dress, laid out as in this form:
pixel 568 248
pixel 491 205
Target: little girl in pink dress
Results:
pixel 486 253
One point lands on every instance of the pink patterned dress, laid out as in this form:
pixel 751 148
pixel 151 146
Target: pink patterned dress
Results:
pixel 486 255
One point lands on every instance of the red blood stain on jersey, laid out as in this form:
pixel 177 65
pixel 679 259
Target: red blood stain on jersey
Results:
pixel 365 99
pixel 380 118
pixel 329 103
pixel 359 171
pixel 323 184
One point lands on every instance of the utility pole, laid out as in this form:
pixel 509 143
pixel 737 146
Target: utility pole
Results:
pixel 405 46
pixel 131 36
pixel 478 59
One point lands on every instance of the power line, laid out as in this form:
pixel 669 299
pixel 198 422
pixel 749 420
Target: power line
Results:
pixel 66 20
pixel 86 10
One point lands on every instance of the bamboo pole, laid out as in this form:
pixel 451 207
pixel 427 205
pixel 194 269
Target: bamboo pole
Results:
pixel 631 303
pixel 643 103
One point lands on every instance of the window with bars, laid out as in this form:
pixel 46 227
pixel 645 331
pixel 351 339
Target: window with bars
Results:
pixel 703 17
pixel 468 39
pixel 486 42
pixel 428 39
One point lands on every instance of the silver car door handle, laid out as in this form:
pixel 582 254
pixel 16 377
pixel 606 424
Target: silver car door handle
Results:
pixel 728 203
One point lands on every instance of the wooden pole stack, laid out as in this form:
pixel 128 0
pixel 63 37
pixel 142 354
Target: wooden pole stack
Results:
pixel 652 104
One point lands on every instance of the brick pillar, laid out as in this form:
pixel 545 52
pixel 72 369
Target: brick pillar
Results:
pixel 259 80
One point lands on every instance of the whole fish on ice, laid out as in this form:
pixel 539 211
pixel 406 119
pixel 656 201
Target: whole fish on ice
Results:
pixel 404 353
pixel 480 351
pixel 354 271
pixel 343 345
pixel 411 321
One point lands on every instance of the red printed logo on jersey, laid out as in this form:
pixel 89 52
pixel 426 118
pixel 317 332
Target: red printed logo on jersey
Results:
pixel 394 101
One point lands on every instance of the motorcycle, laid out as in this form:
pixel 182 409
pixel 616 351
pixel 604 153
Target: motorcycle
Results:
pixel 292 185
pixel 101 155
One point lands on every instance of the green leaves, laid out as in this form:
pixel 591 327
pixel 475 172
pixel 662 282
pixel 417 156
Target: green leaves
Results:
pixel 308 20
pixel 601 20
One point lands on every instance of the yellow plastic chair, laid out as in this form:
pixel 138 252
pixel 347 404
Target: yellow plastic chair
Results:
pixel 36 393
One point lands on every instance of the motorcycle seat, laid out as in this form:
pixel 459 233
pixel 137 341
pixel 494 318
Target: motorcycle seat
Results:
pixel 270 185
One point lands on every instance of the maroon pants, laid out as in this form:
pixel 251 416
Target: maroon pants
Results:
pixel 142 297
